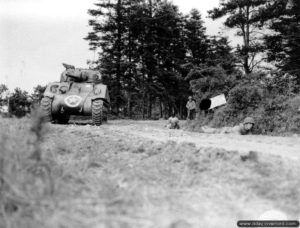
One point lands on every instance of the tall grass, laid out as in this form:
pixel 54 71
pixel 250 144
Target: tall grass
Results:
pixel 26 179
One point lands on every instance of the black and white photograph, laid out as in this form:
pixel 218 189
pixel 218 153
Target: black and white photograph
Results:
pixel 149 113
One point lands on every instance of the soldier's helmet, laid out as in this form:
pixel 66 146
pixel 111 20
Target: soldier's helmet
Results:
pixel 248 120
pixel 175 120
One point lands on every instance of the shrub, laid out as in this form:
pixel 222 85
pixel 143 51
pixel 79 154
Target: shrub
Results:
pixel 210 81
pixel 242 101
pixel 224 116
pixel 245 97
pixel 19 103
pixel 275 115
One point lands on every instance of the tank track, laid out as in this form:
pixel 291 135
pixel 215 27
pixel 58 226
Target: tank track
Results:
pixel 46 104
pixel 97 112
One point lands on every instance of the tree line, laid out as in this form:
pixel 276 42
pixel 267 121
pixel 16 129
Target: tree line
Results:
pixel 19 102
pixel 153 57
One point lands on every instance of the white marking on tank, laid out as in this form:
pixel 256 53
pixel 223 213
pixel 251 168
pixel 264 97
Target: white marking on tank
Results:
pixel 73 101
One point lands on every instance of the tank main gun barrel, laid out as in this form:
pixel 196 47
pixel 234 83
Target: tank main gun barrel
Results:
pixel 76 74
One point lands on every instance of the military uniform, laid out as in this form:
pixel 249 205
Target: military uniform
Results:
pixel 239 129
pixel 191 108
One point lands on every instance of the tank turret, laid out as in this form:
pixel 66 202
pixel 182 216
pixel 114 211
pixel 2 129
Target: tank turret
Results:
pixel 79 75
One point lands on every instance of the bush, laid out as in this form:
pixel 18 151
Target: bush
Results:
pixel 275 115
pixel 224 116
pixel 19 103
pixel 242 101
pixel 245 97
pixel 270 100
pixel 210 81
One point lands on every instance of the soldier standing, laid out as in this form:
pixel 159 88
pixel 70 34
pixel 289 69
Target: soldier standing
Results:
pixel 191 108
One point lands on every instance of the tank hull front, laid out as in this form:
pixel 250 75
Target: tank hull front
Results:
pixel 73 104
pixel 72 98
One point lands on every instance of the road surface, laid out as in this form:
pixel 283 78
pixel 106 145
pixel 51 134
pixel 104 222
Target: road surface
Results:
pixel 288 147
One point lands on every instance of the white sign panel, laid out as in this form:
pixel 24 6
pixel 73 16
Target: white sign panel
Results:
pixel 217 101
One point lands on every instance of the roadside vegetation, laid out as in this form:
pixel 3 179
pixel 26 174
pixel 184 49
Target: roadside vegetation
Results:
pixel 276 112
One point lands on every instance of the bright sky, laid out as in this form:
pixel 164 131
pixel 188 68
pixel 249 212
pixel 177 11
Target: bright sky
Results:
pixel 38 35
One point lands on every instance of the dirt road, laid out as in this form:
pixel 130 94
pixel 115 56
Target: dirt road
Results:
pixel 288 147
pixel 136 174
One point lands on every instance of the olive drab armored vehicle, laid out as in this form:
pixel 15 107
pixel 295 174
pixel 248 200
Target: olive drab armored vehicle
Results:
pixel 79 92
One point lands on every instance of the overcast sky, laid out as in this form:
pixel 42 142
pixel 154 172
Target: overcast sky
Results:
pixel 38 35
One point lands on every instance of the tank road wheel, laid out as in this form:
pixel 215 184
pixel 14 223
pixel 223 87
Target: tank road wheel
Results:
pixel 97 112
pixel 46 104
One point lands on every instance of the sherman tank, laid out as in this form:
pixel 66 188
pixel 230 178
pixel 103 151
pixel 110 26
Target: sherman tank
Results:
pixel 79 92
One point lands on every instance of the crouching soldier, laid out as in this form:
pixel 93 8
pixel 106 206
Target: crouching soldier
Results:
pixel 173 123
pixel 244 128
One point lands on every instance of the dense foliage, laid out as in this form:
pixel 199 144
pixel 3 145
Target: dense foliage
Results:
pixel 153 57
pixel 242 15
pixel 19 102
pixel 148 51
pixel 283 45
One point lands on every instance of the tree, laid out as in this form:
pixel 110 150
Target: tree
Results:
pixel 170 54
pixel 283 45
pixel 115 33
pixel 3 95
pixel 148 48
pixel 243 16
pixel 219 52
pixel 19 103
pixel 38 92
pixel 108 34
pixel 218 74
pixel 142 45
pixel 195 38
pixel 3 89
